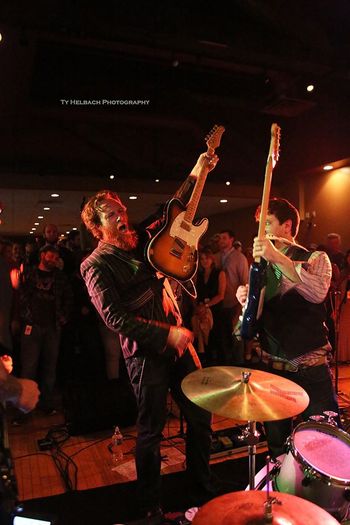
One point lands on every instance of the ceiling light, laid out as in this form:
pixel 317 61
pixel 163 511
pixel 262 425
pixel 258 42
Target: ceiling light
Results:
pixel 227 183
pixel 74 229
pixel 31 233
pixel 67 232
pixel 328 167
pixel 40 216
pixel 46 208
pixel 0 37
pixel 55 194
pixel 223 200
pixel 111 177
pixel 36 224
pixel 133 197
pixel 157 180
pixel 310 88
pixel 33 229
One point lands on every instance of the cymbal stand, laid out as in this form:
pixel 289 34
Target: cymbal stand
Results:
pixel 268 515
pixel 251 436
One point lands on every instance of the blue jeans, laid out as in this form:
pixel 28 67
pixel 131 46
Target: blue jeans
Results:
pixel 317 382
pixel 39 351
pixel 151 378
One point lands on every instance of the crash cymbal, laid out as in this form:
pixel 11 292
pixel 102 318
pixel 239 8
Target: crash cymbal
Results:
pixel 247 508
pixel 245 394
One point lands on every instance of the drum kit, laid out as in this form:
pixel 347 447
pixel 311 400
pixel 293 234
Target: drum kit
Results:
pixel 311 482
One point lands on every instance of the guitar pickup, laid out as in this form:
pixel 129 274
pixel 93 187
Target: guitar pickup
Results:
pixel 175 253
pixel 178 247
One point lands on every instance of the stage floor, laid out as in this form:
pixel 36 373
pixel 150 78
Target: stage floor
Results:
pixel 85 460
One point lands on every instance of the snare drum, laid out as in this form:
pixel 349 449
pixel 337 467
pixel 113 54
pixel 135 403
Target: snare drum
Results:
pixel 317 467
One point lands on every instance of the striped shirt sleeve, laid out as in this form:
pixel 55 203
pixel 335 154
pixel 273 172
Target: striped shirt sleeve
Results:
pixel 315 276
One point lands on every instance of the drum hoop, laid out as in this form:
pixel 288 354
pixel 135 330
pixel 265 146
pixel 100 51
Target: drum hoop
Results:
pixel 334 480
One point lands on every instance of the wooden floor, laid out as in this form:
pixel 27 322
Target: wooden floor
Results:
pixel 38 472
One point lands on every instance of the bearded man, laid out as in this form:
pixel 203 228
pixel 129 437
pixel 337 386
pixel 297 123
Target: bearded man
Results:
pixel 136 302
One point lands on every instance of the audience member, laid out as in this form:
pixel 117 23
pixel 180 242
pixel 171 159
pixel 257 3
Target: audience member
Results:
pixel 66 259
pixel 45 305
pixel 211 285
pixel 343 349
pixel 333 249
pixel 235 266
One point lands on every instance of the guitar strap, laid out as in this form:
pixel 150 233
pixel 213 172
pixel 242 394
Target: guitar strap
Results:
pixel 190 346
pixel 171 296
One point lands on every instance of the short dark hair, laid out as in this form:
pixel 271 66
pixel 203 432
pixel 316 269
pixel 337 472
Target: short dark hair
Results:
pixel 91 211
pixel 230 233
pixel 49 248
pixel 283 210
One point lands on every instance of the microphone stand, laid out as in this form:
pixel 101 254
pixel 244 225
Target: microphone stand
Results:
pixel 335 302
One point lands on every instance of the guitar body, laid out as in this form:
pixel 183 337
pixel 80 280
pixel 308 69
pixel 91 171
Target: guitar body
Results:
pixel 252 310
pixel 174 249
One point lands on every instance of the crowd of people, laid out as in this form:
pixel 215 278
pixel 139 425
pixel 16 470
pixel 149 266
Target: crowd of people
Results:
pixel 47 320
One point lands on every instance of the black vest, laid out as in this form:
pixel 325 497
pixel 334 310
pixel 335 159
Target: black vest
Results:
pixel 290 325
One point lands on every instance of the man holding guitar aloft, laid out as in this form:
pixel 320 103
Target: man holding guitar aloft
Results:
pixel 291 329
pixel 137 303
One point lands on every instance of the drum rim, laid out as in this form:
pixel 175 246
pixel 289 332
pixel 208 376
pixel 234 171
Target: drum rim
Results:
pixel 333 430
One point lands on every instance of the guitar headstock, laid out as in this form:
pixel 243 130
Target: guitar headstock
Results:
pixel 275 143
pixel 213 138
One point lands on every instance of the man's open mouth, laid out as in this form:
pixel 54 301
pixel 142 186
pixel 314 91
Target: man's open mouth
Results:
pixel 122 227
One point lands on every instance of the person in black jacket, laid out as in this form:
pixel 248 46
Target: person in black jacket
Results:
pixel 137 303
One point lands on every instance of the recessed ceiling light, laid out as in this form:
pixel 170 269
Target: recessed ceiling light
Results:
pixel 46 208
pixel 310 88
pixel 55 194
pixel 40 216
pixel 67 232
pixel 223 200
pixel 328 167
pixel 33 229
pixel 0 37
pixel 157 180
pixel 31 233
pixel 133 197
pixel 111 177
pixel 36 224
pixel 227 183
pixel 74 229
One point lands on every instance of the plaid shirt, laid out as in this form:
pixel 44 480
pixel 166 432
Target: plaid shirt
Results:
pixel 62 293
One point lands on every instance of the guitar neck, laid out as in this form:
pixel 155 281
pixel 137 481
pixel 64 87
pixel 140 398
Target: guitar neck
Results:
pixel 196 195
pixel 271 162
pixel 201 175
pixel 265 199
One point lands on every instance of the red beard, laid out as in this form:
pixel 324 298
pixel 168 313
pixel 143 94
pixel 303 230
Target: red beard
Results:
pixel 127 241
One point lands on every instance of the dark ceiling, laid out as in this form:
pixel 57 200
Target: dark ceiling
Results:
pixel 243 63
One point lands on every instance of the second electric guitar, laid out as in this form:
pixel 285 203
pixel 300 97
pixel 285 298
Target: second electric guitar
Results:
pixel 173 251
pixel 253 308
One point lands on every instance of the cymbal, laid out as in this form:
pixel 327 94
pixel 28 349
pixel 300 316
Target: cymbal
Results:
pixel 261 396
pixel 247 508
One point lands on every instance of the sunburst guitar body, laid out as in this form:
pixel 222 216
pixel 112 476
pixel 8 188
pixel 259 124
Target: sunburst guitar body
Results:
pixel 174 250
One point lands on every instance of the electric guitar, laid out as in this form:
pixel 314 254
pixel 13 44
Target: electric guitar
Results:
pixel 257 275
pixel 173 251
